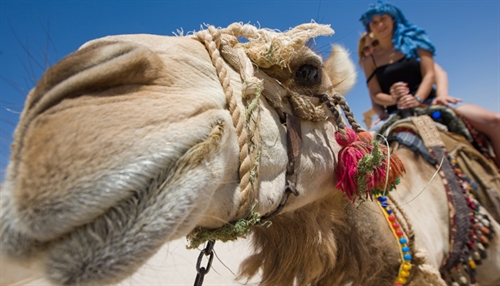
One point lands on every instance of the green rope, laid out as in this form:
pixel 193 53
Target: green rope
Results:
pixel 254 104
pixel 228 232
pixel 366 166
pixel 255 167
pixel 270 53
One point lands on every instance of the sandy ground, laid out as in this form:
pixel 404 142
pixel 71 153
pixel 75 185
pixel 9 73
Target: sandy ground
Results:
pixel 172 265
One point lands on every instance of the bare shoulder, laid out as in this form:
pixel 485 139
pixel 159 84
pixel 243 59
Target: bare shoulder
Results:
pixel 368 66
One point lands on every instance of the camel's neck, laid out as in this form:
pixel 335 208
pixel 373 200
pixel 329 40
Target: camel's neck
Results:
pixel 331 242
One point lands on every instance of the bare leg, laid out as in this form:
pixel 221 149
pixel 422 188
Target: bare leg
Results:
pixel 486 121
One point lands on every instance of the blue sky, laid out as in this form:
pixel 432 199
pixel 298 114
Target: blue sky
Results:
pixel 36 34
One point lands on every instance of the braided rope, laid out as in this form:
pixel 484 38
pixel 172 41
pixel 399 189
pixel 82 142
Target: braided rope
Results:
pixel 408 228
pixel 304 108
pixel 252 89
pixel 332 105
pixel 211 39
pixel 340 100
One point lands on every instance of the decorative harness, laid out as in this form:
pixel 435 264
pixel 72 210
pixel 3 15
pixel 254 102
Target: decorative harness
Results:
pixel 470 229
pixel 362 168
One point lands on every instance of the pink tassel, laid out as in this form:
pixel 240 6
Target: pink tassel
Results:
pixel 354 148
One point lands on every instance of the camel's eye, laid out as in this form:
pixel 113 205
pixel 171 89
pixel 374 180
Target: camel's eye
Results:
pixel 307 75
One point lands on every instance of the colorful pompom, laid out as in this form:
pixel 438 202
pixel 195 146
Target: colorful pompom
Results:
pixel 362 166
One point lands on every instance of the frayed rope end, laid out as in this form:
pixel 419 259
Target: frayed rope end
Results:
pixel 228 232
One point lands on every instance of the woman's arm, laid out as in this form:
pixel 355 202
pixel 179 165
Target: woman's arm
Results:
pixel 441 80
pixel 442 96
pixel 376 94
pixel 379 110
pixel 428 75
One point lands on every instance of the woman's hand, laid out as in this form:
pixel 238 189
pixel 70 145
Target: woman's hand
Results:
pixel 446 100
pixel 398 90
pixel 408 101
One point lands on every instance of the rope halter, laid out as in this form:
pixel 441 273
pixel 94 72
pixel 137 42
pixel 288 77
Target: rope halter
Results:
pixel 263 48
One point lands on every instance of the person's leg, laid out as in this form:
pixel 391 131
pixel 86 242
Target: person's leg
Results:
pixel 485 121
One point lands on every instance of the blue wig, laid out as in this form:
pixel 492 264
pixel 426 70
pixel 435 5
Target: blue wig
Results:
pixel 407 38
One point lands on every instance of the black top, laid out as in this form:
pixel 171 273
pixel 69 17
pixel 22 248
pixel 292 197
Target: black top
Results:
pixel 405 70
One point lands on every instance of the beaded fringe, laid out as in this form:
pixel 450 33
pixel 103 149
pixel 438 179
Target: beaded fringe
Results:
pixel 404 249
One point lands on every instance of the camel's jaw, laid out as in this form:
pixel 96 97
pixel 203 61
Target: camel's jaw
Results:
pixel 106 222
pixel 116 243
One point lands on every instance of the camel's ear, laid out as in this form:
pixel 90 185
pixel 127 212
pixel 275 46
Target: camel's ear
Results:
pixel 340 69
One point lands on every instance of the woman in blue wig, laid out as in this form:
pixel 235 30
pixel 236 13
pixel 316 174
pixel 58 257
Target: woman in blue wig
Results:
pixel 400 71
pixel 404 55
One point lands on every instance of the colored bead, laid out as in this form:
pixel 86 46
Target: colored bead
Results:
pixel 472 264
pixel 407 257
pixel 485 230
pixel 398 284
pixel 405 249
pixel 403 240
pixel 406 266
pixel 404 274
pixel 480 246
pixel 384 204
pixel 392 218
pixel 395 225
pixel 463 280
pixel 476 256
pixel 382 198
pixel 485 222
pixel 436 115
pixel 389 211
pixel 401 280
pixel 399 233
pixel 484 239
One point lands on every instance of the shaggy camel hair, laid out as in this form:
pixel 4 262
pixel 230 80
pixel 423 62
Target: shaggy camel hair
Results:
pixel 136 140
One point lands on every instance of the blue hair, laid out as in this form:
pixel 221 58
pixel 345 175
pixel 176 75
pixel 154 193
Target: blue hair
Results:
pixel 407 38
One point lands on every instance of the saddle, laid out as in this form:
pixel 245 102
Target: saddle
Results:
pixel 470 149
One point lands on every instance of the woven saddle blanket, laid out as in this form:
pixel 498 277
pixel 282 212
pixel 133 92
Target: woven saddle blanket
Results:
pixel 459 144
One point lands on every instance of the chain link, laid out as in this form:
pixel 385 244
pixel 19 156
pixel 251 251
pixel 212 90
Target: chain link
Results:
pixel 207 251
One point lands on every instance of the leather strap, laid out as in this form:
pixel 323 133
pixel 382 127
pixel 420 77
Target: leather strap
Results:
pixel 458 209
pixel 294 141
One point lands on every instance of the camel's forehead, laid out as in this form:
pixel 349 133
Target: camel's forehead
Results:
pixel 161 45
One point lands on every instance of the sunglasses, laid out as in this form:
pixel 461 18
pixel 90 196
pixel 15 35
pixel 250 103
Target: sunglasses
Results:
pixel 366 49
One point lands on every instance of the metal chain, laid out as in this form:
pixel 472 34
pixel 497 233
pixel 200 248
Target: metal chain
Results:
pixel 207 251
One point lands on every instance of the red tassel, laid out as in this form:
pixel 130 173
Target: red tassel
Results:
pixel 354 148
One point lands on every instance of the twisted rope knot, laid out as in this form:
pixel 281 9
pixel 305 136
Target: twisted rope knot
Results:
pixel 252 86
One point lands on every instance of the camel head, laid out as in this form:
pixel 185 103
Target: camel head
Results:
pixel 136 140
